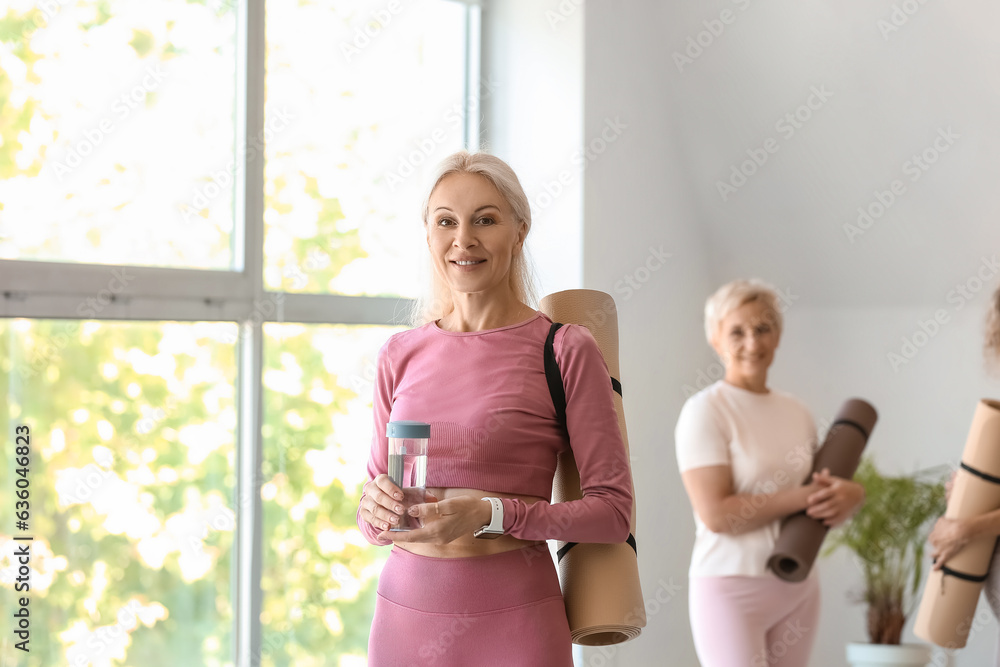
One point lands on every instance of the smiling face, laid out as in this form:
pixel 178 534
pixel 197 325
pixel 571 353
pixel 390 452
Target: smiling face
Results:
pixel 472 235
pixel 746 341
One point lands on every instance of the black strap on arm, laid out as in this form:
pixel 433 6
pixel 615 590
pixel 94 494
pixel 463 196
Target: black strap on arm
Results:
pixel 553 376
pixel 558 392
pixel 980 474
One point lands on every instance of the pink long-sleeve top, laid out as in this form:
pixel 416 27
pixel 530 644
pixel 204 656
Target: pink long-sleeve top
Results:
pixel 494 427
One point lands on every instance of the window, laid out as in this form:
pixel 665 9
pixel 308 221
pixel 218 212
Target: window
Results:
pixel 198 264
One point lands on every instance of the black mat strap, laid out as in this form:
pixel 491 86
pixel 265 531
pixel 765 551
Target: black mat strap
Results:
pixel 569 545
pixel 974 578
pixel 980 474
pixel 851 422
pixel 554 379
pixel 552 375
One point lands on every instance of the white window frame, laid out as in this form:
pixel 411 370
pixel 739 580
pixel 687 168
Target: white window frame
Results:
pixel 67 290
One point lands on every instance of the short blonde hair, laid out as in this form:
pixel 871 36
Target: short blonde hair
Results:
pixel 992 343
pixel 734 294
pixel 438 302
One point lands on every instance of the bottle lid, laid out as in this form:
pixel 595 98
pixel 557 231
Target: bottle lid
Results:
pixel 408 429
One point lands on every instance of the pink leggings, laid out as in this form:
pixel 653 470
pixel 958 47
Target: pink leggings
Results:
pixel 753 621
pixel 504 610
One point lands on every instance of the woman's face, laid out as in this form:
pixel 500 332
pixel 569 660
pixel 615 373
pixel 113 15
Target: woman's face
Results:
pixel 472 234
pixel 747 339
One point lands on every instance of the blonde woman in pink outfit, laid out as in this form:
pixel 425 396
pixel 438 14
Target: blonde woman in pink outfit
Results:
pixel 745 451
pixel 475 585
pixel 950 535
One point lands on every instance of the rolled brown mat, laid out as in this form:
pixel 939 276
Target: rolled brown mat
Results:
pixel 951 594
pixel 801 536
pixel 600 582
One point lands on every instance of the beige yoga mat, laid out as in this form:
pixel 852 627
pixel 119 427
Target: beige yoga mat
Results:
pixel 600 582
pixel 951 594
pixel 801 536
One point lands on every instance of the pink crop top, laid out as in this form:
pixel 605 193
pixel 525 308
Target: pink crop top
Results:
pixel 494 427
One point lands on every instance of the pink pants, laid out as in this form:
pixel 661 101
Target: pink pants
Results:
pixel 753 621
pixel 501 610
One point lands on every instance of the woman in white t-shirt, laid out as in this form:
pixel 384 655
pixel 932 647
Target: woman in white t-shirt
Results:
pixel 745 452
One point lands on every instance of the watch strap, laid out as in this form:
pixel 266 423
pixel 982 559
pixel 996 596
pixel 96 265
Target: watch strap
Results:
pixel 494 528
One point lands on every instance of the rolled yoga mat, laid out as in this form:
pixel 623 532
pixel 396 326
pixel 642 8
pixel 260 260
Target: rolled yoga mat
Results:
pixel 600 582
pixel 951 594
pixel 802 536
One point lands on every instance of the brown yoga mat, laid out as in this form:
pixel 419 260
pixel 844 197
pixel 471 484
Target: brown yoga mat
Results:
pixel 951 594
pixel 801 536
pixel 600 582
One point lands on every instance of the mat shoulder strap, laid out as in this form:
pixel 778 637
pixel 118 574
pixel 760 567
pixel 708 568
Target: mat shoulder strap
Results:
pixel 558 392
pixel 553 376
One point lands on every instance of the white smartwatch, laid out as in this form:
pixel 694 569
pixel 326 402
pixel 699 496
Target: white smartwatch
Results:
pixel 494 528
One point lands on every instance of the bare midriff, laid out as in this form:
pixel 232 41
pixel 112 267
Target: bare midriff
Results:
pixel 467 545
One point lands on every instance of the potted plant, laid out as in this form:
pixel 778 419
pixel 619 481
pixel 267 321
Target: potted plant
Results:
pixel 888 536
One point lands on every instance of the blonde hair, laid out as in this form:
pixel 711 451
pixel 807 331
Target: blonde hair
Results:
pixel 734 294
pixel 992 342
pixel 438 302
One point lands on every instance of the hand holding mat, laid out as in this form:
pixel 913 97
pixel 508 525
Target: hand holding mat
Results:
pixel 802 536
pixel 951 594
pixel 600 582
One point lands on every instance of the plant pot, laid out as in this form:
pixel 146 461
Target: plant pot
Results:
pixel 885 655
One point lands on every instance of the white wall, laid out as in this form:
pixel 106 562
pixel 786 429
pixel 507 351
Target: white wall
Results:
pixel 925 407
pixel 854 301
pixel 662 137
pixel 637 205
pixel 534 122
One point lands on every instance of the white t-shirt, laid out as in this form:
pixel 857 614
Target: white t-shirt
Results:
pixel 768 441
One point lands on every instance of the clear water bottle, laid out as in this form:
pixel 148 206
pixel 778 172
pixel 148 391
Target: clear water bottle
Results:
pixel 408 465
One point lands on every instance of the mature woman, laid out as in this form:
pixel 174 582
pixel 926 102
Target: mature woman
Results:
pixel 950 535
pixel 744 452
pixel 474 370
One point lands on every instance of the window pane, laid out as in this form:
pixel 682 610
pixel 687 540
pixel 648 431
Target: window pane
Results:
pixel 377 95
pixel 116 131
pixel 319 573
pixel 131 479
